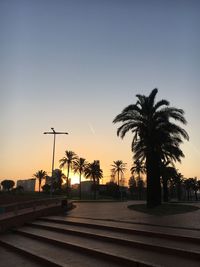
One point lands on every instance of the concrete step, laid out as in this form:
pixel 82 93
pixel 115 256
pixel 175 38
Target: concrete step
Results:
pixel 126 255
pixel 11 258
pixel 48 253
pixel 186 249
pixel 182 235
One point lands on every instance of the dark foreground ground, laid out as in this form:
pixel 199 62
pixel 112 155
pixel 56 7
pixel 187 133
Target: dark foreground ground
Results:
pixel 105 234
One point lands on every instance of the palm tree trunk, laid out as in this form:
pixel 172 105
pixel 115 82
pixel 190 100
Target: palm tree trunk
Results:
pixel 165 190
pixel 118 177
pixel 179 191
pixel 94 187
pixel 80 185
pixel 68 166
pixel 188 195
pixel 153 181
pixel 39 185
pixel 195 192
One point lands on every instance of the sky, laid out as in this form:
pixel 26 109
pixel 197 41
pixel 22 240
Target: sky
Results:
pixel 75 64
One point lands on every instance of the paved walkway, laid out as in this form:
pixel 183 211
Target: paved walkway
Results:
pixel 119 211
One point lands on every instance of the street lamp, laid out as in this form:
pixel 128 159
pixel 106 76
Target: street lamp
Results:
pixel 54 142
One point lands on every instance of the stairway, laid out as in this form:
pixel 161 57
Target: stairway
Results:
pixel 72 241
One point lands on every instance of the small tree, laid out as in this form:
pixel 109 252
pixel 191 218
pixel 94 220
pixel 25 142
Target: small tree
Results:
pixel 7 184
pixel 194 186
pixel 118 167
pixel 68 161
pixel 94 172
pixel 112 189
pixel 132 186
pixel 188 187
pixel 58 178
pixel 46 188
pixel 140 187
pixel 79 166
pixel 40 175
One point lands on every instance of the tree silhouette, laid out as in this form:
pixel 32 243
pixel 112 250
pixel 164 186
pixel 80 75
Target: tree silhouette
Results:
pixel 155 137
pixel 58 178
pixel 7 184
pixel 119 168
pixel 178 180
pixel 132 186
pixel 167 173
pixel 79 167
pixel 94 172
pixel 138 168
pixel 68 160
pixel 40 175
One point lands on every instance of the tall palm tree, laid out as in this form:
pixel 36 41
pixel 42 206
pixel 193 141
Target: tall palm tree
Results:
pixel 119 168
pixel 155 137
pixel 79 166
pixel 68 160
pixel 40 175
pixel 94 172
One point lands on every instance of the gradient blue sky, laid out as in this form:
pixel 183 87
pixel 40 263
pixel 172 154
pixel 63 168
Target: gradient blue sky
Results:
pixel 74 65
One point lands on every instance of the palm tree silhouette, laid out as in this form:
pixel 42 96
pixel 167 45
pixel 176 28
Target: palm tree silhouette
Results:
pixel 68 160
pixel 119 168
pixel 94 172
pixel 167 172
pixel 40 175
pixel 178 181
pixel 79 166
pixel 138 168
pixel 155 137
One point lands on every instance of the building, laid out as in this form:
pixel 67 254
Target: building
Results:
pixel 86 187
pixel 28 184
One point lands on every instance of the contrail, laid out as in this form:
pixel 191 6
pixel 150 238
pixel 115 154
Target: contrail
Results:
pixel 91 128
pixel 194 147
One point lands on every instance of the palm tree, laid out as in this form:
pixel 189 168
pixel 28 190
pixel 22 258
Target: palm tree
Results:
pixel 94 172
pixel 195 186
pixel 118 167
pixel 178 181
pixel 138 168
pixel 155 137
pixel 167 172
pixel 79 166
pixel 188 186
pixel 40 175
pixel 68 160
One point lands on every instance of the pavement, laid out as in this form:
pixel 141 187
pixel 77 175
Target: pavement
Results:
pixel 119 211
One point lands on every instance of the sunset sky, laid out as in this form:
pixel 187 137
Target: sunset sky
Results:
pixel 75 64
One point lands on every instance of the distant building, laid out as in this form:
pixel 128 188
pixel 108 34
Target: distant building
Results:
pixel 28 184
pixel 75 186
pixel 86 186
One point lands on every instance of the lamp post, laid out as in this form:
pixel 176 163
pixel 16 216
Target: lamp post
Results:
pixel 54 144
